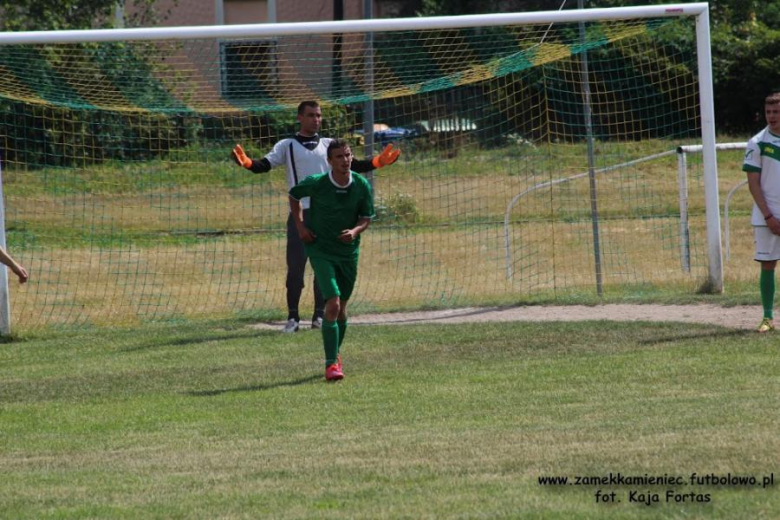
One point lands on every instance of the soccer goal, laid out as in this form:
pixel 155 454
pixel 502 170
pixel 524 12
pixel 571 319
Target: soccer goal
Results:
pixel 123 203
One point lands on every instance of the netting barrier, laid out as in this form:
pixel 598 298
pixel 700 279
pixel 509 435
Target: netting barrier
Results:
pixel 123 203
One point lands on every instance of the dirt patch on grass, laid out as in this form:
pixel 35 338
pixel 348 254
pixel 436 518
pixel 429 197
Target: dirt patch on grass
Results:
pixel 742 317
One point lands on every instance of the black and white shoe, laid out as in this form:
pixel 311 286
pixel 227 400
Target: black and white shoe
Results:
pixel 291 326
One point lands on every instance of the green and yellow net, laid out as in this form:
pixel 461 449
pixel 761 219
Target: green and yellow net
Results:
pixel 122 201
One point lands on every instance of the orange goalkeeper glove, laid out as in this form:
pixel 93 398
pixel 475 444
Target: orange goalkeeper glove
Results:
pixel 387 157
pixel 241 157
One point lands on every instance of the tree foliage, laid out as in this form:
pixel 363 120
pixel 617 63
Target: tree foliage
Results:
pixel 745 44
pixel 61 134
pixel 37 15
pixel 745 38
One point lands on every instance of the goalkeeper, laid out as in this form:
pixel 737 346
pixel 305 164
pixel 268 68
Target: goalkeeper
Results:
pixel 304 155
pixel 342 206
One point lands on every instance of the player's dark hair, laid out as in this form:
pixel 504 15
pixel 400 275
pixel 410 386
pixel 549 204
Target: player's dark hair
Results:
pixel 337 144
pixel 308 103
pixel 773 98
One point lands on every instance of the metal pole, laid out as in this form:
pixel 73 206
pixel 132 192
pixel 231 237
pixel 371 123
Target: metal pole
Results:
pixel 119 14
pixel 5 299
pixel 682 192
pixel 338 15
pixel 271 11
pixel 368 106
pixel 219 12
pixel 594 210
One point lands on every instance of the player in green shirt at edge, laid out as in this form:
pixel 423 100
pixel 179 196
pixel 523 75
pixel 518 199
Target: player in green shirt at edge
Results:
pixel 342 206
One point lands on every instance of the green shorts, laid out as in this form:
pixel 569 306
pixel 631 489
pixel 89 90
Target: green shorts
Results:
pixel 335 277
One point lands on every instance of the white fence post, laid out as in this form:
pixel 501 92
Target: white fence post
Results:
pixel 682 192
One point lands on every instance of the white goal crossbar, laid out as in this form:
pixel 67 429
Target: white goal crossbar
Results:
pixel 354 26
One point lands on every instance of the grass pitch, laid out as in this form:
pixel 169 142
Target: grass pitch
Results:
pixel 217 420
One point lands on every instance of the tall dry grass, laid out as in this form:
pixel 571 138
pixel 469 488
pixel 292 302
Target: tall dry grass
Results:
pixel 109 255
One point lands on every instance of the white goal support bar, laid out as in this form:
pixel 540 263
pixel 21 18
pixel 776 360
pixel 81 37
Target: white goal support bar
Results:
pixel 683 150
pixel 682 180
pixel 732 191
pixel 353 26
pixel 547 184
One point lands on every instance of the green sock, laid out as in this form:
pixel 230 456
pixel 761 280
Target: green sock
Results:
pixel 768 292
pixel 330 340
pixel 342 331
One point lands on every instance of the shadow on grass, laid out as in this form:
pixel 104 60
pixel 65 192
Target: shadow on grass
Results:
pixel 254 388
pixel 10 339
pixel 193 341
pixel 721 333
pixel 448 315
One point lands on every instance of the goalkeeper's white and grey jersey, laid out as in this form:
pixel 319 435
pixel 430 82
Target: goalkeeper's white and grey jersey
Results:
pixel 763 156
pixel 300 159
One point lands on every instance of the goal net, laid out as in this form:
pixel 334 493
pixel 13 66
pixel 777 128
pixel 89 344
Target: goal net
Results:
pixel 534 162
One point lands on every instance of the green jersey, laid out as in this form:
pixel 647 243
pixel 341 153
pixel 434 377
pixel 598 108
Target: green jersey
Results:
pixel 333 209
